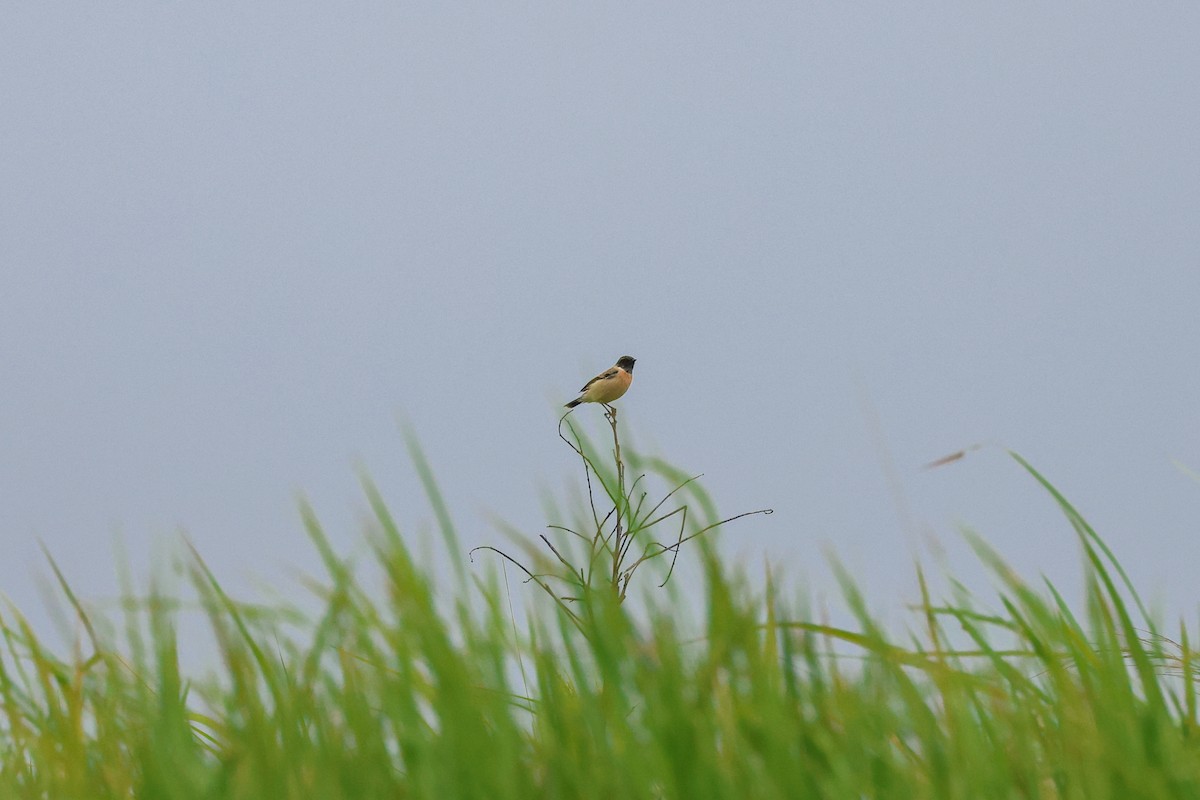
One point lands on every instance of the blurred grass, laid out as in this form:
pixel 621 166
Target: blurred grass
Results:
pixel 419 690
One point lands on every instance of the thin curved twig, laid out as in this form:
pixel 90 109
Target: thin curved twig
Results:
pixel 574 617
pixel 557 554
pixel 568 530
pixel 667 497
pixel 647 556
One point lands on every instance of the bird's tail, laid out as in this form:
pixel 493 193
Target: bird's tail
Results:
pixel 573 403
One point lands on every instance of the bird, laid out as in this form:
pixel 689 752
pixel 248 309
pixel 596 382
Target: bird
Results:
pixel 608 385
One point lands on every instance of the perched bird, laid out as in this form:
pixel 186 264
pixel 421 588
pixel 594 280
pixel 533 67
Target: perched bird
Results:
pixel 608 385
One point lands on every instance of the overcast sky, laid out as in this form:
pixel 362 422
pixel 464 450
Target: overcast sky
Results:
pixel 240 242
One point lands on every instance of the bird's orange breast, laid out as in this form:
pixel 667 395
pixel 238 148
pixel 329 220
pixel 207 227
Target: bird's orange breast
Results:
pixel 606 391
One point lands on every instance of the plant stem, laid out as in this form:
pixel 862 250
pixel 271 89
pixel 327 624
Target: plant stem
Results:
pixel 618 539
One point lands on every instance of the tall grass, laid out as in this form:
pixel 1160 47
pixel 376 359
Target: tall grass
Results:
pixel 401 687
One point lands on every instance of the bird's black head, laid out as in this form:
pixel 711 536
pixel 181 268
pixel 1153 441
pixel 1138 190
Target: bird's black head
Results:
pixel 626 363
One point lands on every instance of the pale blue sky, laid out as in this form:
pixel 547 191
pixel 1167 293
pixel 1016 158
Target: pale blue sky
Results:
pixel 239 241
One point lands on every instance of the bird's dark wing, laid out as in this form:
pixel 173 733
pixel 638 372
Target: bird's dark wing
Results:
pixel 602 376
